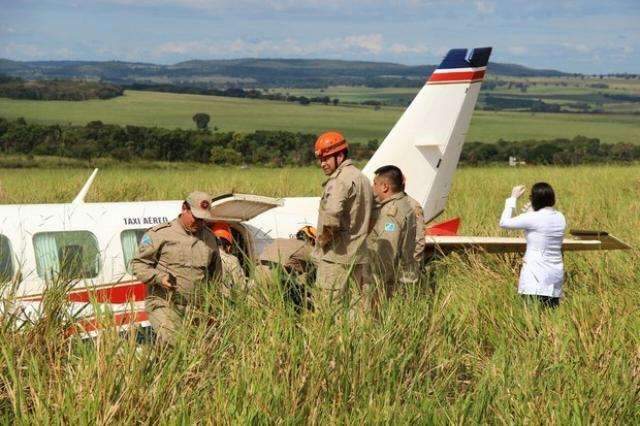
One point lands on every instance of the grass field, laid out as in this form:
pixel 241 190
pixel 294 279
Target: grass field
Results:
pixel 569 92
pixel 357 122
pixel 466 351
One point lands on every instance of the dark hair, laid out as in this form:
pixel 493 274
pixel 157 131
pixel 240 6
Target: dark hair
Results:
pixel 542 196
pixel 393 175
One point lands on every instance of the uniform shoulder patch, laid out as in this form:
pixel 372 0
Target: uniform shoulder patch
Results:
pixel 390 227
pixel 145 241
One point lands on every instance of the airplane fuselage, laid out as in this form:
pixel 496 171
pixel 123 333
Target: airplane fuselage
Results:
pixel 103 238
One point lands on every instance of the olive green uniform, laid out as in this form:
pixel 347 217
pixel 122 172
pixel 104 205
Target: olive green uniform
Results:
pixel 293 254
pixel 421 243
pixel 232 273
pixel 392 243
pixel 346 205
pixel 191 259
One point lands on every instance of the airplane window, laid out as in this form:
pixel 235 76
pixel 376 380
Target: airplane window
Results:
pixel 6 260
pixel 130 239
pixel 68 255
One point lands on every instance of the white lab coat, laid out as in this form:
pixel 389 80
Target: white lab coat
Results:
pixel 542 270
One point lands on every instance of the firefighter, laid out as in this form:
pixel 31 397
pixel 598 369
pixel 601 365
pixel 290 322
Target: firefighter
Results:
pixel 176 260
pixel 233 274
pixel 343 221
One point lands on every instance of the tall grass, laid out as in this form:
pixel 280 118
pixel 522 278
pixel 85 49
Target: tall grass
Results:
pixel 462 348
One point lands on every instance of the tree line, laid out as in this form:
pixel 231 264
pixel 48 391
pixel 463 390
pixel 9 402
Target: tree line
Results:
pixel 271 148
pixel 57 90
pixel 130 143
pixel 559 151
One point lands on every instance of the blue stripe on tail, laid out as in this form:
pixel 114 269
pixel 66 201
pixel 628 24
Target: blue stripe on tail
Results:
pixel 458 58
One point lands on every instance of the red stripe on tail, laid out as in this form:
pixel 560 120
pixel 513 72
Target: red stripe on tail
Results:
pixel 456 77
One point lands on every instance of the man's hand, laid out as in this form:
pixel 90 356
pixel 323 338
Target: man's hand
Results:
pixel 326 236
pixel 517 191
pixel 168 282
pixel 526 208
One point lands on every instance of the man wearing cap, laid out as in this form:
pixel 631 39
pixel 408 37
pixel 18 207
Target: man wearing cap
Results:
pixel 176 260
pixel 343 220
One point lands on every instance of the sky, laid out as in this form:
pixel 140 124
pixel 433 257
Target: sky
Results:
pixel 589 36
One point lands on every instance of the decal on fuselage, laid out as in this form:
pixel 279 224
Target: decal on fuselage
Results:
pixel 148 220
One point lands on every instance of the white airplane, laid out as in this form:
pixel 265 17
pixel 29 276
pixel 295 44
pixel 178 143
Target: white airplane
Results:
pixel 93 243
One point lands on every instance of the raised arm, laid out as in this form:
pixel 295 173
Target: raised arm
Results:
pixel 523 221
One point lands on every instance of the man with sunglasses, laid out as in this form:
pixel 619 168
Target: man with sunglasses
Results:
pixel 176 260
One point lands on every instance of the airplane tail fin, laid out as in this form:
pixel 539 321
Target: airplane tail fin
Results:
pixel 427 140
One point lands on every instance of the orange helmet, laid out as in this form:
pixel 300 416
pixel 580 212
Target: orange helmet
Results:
pixel 306 233
pixel 222 230
pixel 330 143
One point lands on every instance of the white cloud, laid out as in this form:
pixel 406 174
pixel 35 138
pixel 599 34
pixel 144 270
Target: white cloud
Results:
pixel 21 50
pixel 485 7
pixel 7 30
pixel 358 44
pixel 27 51
pixel 401 49
pixel 576 47
pixel 517 50
pixel 369 42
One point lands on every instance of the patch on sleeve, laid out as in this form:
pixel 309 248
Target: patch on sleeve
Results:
pixel 390 227
pixel 145 241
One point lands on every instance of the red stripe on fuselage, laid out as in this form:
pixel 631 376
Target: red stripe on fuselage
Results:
pixel 133 292
pixel 124 318
pixel 456 77
pixel 117 293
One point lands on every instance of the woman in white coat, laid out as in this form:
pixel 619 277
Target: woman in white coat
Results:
pixel 542 271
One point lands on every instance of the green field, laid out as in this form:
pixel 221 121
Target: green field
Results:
pixel 460 349
pixel 569 92
pixel 357 122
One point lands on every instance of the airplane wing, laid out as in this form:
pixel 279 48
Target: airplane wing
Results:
pixel 581 241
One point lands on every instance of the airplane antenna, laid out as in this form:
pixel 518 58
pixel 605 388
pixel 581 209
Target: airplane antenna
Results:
pixel 83 192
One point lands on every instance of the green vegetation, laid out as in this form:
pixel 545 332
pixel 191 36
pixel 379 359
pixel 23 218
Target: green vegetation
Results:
pixel 569 94
pixel 132 143
pixel 359 123
pixel 57 90
pixel 467 351
pixel 97 140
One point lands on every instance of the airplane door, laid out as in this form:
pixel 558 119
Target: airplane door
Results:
pixel 241 207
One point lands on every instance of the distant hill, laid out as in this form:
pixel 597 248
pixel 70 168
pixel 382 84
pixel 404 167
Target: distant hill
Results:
pixel 248 72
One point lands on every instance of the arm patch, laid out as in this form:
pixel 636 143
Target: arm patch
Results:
pixel 145 241
pixel 390 227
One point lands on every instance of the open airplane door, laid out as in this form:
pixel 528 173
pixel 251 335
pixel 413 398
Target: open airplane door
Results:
pixel 241 207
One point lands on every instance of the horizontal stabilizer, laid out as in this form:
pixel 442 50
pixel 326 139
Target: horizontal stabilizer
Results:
pixel 608 241
pixel 447 244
